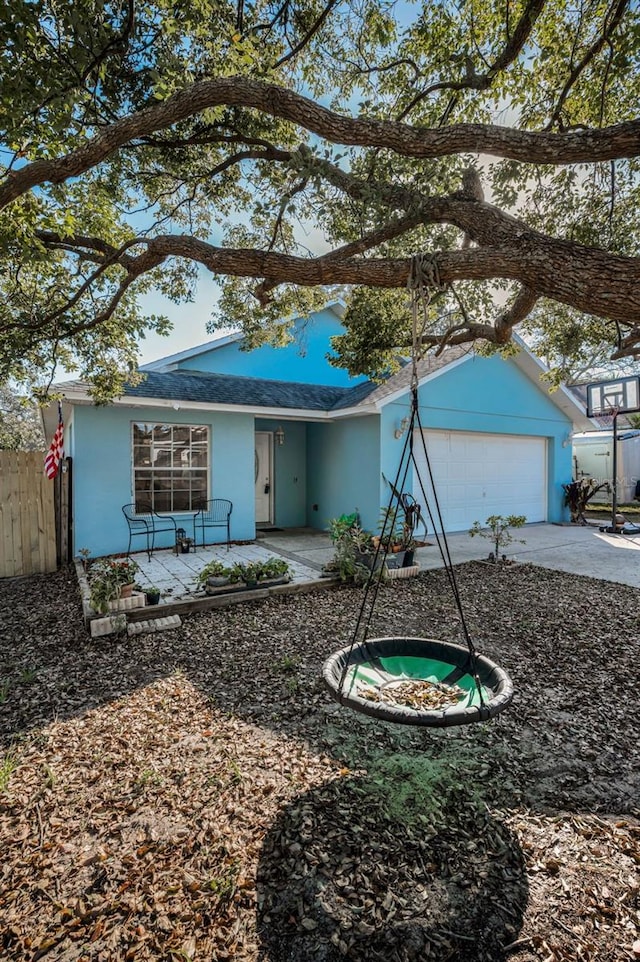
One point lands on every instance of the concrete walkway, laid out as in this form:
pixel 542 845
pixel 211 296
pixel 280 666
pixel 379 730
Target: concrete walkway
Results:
pixel 572 548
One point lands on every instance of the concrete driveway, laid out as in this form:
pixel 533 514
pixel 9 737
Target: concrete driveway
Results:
pixel 572 548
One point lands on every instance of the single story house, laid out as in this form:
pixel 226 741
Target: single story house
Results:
pixel 293 441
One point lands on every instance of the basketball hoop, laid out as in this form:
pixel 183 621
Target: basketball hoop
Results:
pixel 609 399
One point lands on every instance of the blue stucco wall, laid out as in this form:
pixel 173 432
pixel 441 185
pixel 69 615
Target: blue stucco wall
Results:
pixel 343 471
pixel 303 360
pixel 336 467
pixel 490 395
pixel 102 472
pixel 290 472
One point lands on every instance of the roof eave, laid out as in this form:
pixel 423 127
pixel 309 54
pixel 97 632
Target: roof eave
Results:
pixel 82 397
pixel 535 369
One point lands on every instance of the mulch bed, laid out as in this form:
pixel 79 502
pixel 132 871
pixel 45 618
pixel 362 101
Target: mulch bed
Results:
pixel 197 795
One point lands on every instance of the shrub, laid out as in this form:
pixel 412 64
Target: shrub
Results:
pixel 352 544
pixel 497 530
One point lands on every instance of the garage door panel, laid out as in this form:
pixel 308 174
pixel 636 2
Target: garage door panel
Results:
pixel 477 475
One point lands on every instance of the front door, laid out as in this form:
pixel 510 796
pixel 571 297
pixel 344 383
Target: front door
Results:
pixel 263 477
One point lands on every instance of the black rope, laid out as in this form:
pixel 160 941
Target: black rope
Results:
pixel 372 582
pixel 443 546
pixel 424 274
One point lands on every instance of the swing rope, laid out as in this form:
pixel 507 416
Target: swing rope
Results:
pixel 423 277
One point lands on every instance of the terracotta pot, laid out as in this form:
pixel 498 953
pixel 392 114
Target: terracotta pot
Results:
pixel 126 591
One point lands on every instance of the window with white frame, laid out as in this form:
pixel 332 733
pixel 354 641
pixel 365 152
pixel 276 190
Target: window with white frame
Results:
pixel 170 466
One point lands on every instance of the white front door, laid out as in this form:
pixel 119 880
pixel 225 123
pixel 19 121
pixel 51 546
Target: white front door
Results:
pixel 477 475
pixel 263 477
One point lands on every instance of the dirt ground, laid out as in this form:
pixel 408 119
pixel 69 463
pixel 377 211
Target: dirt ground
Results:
pixel 196 794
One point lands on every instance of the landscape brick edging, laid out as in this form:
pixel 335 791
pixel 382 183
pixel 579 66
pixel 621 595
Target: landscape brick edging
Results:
pixel 202 603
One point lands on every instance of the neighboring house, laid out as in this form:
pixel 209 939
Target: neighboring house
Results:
pixel 292 441
pixel 593 458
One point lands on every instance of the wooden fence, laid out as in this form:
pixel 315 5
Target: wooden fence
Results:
pixel 28 514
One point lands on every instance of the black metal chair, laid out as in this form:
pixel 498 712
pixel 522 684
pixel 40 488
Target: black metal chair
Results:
pixel 213 514
pixel 143 520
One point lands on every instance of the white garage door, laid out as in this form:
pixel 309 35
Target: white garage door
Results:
pixel 477 475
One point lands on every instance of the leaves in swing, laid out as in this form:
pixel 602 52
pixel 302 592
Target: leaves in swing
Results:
pixel 420 694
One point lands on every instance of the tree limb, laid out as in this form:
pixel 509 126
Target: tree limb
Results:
pixel 595 48
pixel 482 81
pixel 575 146
pixel 559 269
pixel 311 32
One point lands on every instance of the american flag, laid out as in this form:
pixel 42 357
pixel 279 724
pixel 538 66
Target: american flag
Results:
pixel 56 449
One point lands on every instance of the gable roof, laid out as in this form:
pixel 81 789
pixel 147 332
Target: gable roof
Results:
pixel 171 360
pixel 204 390
pixel 235 389
pixel 197 389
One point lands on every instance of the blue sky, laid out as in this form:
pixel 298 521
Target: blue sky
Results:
pixel 189 320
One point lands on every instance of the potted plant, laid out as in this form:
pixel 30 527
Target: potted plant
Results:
pixel 391 530
pixel 249 573
pixel 152 595
pixel 214 574
pixel 109 580
pixel 396 535
pixel 355 551
pixel 275 571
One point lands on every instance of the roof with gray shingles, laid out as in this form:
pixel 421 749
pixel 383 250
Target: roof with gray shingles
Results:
pixel 402 380
pixel 256 392
pixel 212 388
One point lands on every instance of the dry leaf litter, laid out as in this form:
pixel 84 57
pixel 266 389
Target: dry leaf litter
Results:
pixel 197 795
pixel 418 695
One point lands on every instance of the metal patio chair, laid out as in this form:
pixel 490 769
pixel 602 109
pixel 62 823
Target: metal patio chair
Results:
pixel 213 514
pixel 143 520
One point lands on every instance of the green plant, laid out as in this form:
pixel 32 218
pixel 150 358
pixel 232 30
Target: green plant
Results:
pixel 293 686
pixel 85 554
pixel 390 526
pixel 106 578
pixel 275 568
pixel 224 885
pixel 339 527
pixel 287 664
pixel 213 569
pixel 148 776
pixel 497 530
pixel 7 766
pixel 247 571
pixel 254 571
pixel 5 687
pixel 361 540
pixel 352 544
pixel 28 675
pixel 152 595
